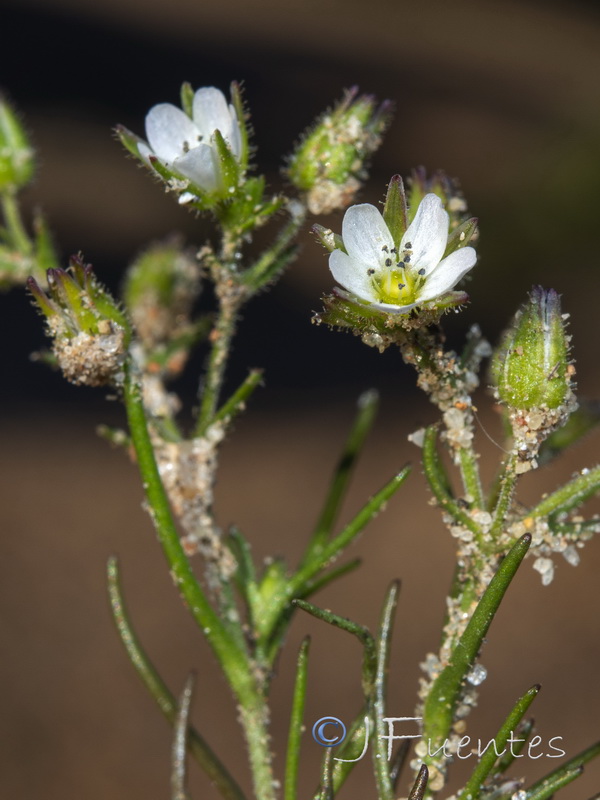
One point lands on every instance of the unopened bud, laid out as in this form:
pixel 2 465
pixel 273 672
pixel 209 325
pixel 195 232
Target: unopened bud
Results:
pixel 161 287
pixel 16 154
pixel 329 163
pixel 90 332
pixel 533 376
pixel 532 370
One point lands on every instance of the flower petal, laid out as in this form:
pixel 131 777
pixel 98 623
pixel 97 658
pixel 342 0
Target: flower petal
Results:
pixel 391 309
pixel 365 234
pixel 427 233
pixel 448 273
pixel 198 165
pixel 351 274
pixel 211 112
pixel 167 129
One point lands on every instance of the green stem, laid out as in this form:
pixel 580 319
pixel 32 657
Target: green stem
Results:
pixel 506 490
pixel 234 660
pixel 469 470
pixel 221 336
pixel 14 223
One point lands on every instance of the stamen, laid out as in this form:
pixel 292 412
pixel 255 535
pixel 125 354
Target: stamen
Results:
pixel 408 246
pixel 385 248
pixel 393 250
pixel 388 262
pixel 422 271
pixel 406 258
pixel 401 265
pixel 371 272
pixel 401 286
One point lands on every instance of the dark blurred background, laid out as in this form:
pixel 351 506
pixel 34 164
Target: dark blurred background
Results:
pixel 503 95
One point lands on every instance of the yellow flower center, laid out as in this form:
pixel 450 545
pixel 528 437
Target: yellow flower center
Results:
pixel 398 287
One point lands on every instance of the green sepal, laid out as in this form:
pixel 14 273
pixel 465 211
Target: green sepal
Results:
pixel 395 212
pixel 331 241
pixel 130 142
pixel 17 164
pixel 242 116
pixel 461 236
pixel 229 168
pixel 187 98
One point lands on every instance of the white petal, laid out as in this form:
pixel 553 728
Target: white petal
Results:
pixel 167 129
pixel 448 273
pixel 393 309
pixel 211 112
pixel 236 136
pixel 351 274
pixel 198 165
pixel 365 234
pixel 427 233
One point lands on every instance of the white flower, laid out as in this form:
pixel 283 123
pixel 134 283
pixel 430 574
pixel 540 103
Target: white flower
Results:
pixel 397 279
pixel 187 146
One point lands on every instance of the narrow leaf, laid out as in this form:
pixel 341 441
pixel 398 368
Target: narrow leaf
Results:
pixel 438 714
pixel 474 785
pixel 363 422
pixel 201 751
pixel 292 762
pixel 178 766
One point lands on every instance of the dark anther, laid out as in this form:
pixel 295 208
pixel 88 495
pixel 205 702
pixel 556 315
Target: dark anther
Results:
pixel 385 248
pixel 388 262
pixel 370 272
pixel 401 286
pixel 408 245
pixel 422 271
pixel 406 258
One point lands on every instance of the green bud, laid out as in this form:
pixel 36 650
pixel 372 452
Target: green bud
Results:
pixel 447 189
pixel 16 155
pixel 329 163
pixel 89 330
pixel 531 369
pixel 160 289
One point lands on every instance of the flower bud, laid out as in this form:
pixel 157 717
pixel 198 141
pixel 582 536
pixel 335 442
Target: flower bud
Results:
pixel 16 154
pixel 90 332
pixel 531 369
pixel 329 163
pixel 532 375
pixel 447 189
pixel 160 289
